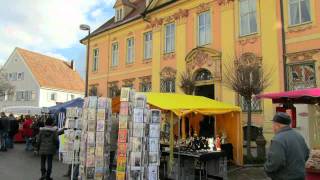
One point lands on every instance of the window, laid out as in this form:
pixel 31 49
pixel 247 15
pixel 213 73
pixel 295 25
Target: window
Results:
pixel 170 38
pixel 93 91
pixel 19 95
pixel 147 45
pixel 119 14
pixel 20 76
pixel 95 59
pixel 130 50
pixel 53 96
pixel 145 86
pixel 204 28
pixel 248 17
pixel 168 85
pixel 113 91
pixel 301 76
pixel 28 95
pixel 115 54
pixel 255 105
pixel 299 11
pixel 13 76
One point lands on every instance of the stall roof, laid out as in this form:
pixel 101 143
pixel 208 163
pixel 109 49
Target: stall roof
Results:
pixel 182 104
pixel 22 110
pixel 304 96
pixel 78 102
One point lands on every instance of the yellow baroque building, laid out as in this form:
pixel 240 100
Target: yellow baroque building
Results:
pixel 148 44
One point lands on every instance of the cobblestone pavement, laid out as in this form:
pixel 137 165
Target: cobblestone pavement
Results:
pixel 16 164
pixel 248 173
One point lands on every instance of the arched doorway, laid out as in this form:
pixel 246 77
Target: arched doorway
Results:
pixel 204 83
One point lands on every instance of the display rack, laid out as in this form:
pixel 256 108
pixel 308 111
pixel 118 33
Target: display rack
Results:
pixel 95 144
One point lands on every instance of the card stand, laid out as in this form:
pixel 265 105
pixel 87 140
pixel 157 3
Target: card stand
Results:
pixel 124 120
pixel 95 145
pixel 154 144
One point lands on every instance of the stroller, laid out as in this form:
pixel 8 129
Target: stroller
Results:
pixel 35 136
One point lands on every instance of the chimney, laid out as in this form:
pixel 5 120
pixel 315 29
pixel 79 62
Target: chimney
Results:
pixel 72 65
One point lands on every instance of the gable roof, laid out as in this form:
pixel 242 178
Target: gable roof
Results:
pixel 123 2
pixel 139 11
pixel 52 72
pixel 136 13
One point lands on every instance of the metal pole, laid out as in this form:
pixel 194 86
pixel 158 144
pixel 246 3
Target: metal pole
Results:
pixel 284 47
pixel 87 65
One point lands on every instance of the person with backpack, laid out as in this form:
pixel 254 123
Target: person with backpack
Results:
pixel 48 143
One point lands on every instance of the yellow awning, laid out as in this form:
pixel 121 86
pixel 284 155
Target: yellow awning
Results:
pixel 182 104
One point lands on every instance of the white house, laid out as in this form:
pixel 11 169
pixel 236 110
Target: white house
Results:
pixel 40 80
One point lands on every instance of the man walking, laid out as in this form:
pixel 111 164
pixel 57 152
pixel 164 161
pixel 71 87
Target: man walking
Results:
pixel 47 146
pixel 288 151
pixel 4 131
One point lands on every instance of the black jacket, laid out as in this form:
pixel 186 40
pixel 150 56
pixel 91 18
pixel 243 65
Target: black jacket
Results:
pixel 287 156
pixel 48 141
pixel 5 125
pixel 13 126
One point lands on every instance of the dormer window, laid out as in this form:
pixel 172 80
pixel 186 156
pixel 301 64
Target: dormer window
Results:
pixel 119 14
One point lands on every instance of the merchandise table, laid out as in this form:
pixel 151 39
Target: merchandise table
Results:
pixel 207 164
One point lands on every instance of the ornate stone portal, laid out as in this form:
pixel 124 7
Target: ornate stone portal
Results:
pixel 205 58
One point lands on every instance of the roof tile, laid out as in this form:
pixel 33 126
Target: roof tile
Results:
pixel 52 72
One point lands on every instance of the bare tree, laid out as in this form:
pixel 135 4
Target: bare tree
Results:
pixel 5 86
pixel 187 82
pixel 246 77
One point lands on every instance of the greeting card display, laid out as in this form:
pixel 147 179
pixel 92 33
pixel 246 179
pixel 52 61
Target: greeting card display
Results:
pixel 95 146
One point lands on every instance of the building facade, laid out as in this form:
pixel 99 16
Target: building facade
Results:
pixel 148 44
pixel 39 80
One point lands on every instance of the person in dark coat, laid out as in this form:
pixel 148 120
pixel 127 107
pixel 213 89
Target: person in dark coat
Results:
pixel 13 129
pixel 288 151
pixel 47 146
pixel 4 132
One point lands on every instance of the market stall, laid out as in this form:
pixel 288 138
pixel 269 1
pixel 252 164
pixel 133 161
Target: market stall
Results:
pixel 303 107
pixel 178 107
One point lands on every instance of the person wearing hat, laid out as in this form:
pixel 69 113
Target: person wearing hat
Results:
pixel 288 151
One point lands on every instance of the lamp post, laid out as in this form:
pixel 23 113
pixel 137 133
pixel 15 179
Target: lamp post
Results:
pixel 85 27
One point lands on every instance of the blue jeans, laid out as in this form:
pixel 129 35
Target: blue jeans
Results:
pixel 28 144
pixel 9 142
pixel 3 140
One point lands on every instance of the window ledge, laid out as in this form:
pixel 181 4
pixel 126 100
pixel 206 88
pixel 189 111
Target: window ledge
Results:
pixel 249 36
pixel 300 27
pixel 113 68
pixel 147 61
pixel 129 65
pixel 168 56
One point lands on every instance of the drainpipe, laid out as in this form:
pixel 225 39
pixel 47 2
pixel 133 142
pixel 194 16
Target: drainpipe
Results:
pixel 284 47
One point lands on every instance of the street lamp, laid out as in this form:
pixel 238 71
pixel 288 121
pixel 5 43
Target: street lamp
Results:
pixel 85 27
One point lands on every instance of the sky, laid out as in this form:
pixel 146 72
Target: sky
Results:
pixel 50 27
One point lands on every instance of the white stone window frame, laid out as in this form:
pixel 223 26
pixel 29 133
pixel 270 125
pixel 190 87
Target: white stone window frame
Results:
pixel 169 40
pixel 114 54
pixel 250 12
pixel 95 62
pixel 204 30
pixel 147 48
pixel 300 21
pixel 130 50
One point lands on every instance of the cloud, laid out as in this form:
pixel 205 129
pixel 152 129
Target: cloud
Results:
pixel 46 25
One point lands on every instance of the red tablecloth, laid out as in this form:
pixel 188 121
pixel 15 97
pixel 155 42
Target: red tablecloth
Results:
pixel 18 137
